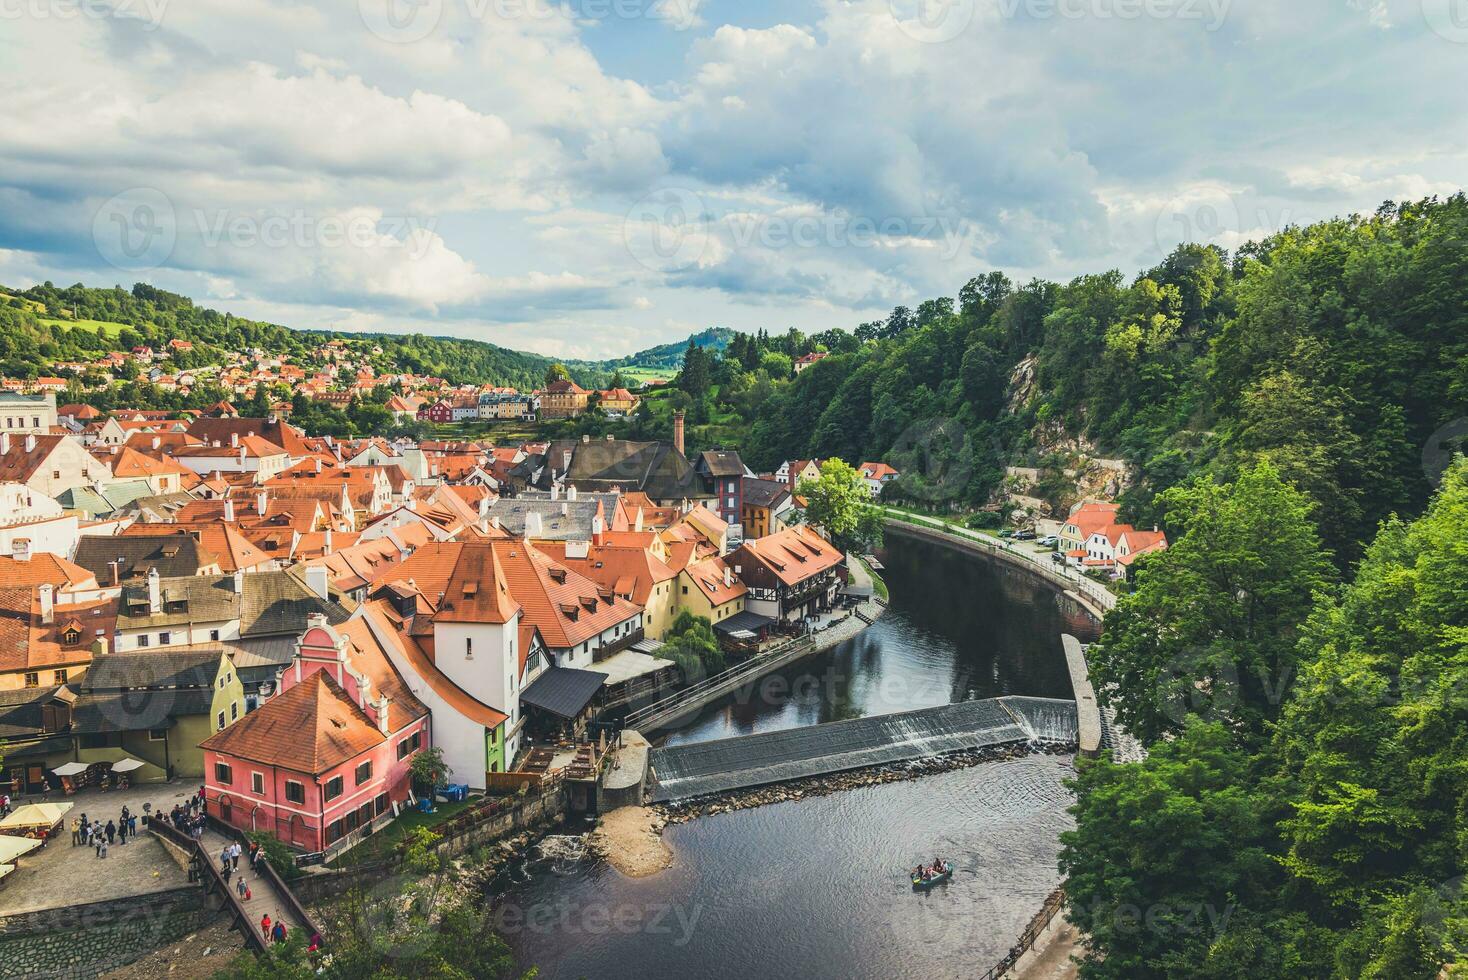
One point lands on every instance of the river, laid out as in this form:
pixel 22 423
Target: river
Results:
pixel 816 887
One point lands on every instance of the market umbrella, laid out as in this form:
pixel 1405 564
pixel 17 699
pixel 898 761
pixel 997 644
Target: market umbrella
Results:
pixel 127 765
pixel 13 847
pixel 35 815
pixel 70 769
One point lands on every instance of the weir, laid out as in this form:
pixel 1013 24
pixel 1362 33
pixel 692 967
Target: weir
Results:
pixel 685 771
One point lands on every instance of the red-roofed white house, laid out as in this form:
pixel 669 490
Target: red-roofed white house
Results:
pixel 876 476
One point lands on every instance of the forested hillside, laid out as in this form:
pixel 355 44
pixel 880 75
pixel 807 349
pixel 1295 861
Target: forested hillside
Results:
pixel 671 355
pixel 1333 351
pixel 45 324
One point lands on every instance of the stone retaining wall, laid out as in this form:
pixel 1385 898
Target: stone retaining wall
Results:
pixel 82 941
pixel 536 811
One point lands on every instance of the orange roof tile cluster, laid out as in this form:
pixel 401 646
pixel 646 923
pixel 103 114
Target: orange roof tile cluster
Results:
pixel 794 554
pixel 311 728
pixel 630 571
pixel 43 568
pixel 716 580
pixel 27 643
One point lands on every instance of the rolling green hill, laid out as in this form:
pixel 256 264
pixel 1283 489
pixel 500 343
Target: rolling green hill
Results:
pixel 45 323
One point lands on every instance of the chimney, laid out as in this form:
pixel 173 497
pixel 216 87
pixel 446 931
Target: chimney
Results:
pixel 585 437
pixel 262 502
pixel 234 438
pixel 494 521
pixel 20 549
pixel 242 456
pixel 239 582
pixel 318 464
pixel 47 592
pixel 228 511
pixel 533 526
pixel 570 493
pixel 382 713
pixel 565 461
pixel 318 583
pixel 30 442
pixel 4 443
pixel 555 492
pixel 728 576
pixel 157 442
pixel 678 430
pixel 155 592
pixel 326 544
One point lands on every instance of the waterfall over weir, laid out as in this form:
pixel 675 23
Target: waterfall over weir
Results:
pixel 701 768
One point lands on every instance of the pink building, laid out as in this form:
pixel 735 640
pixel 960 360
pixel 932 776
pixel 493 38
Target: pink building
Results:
pixel 329 752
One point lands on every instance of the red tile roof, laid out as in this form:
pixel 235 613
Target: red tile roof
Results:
pixel 311 728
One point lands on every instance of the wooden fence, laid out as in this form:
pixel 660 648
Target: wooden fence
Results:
pixel 1054 902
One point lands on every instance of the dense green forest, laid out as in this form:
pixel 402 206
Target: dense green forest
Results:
pixel 1334 351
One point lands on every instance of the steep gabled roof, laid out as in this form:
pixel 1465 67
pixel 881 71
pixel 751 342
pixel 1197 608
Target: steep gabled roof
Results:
pixel 311 728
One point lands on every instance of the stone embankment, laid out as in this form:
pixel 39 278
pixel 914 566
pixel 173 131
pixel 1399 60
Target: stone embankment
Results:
pixel 676 813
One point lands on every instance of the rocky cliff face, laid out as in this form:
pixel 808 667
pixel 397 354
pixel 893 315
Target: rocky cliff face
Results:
pixel 1060 467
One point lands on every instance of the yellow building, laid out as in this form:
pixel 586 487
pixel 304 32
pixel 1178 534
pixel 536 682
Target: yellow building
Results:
pixel 710 589
pixel 563 400
pixel 155 706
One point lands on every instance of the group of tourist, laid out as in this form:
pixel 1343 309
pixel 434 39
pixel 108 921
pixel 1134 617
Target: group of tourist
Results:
pixel 188 818
pixel 275 930
pixel 99 836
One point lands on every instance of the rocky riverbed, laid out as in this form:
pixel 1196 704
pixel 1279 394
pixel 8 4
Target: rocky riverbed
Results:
pixel 683 811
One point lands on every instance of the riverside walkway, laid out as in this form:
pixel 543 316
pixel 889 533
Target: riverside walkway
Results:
pixel 702 768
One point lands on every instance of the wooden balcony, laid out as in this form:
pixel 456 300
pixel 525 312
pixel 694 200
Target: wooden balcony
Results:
pixel 616 646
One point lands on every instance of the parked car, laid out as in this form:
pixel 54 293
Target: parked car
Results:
pixel 1049 541
pixel 1026 535
pixel 1057 557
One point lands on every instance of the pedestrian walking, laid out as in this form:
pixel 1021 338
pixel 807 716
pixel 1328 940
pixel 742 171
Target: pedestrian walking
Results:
pixel 278 933
pixel 102 850
pixel 265 926
pixel 76 832
pixel 111 831
pixel 241 887
pixel 132 825
pixel 234 854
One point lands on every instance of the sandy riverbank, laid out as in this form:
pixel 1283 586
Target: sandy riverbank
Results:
pixel 631 839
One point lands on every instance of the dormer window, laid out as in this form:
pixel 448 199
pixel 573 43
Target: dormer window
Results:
pixel 72 635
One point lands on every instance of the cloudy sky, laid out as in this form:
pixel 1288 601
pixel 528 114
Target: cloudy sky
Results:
pixel 589 178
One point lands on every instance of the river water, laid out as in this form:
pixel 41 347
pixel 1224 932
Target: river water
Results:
pixel 816 888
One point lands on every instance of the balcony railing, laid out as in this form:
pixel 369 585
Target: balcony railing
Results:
pixel 617 645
